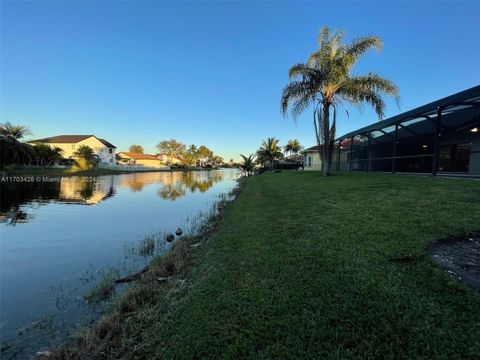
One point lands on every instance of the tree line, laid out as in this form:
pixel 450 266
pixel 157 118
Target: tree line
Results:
pixel 192 155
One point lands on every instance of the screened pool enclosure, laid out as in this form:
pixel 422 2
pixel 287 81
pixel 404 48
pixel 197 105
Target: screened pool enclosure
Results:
pixel 440 137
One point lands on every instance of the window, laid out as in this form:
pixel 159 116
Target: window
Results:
pixel 309 162
pixel 454 158
pixel 110 151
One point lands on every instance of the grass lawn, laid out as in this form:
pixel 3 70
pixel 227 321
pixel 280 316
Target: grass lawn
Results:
pixel 301 267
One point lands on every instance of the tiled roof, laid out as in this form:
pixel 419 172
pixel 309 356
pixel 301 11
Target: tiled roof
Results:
pixel 67 139
pixel 138 156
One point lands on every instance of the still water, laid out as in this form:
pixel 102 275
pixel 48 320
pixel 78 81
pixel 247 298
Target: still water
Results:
pixel 57 238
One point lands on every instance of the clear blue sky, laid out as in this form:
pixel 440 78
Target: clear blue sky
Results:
pixel 212 73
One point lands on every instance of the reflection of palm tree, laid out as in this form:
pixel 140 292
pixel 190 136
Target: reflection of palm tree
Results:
pixel 16 216
pixel 171 192
pixel 193 181
pixel 87 189
pixel 136 185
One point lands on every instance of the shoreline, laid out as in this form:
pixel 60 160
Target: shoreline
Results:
pixel 162 279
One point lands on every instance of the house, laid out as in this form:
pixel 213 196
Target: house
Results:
pixel 441 137
pixel 139 159
pixel 311 156
pixel 70 143
pixel 311 159
pixel 168 160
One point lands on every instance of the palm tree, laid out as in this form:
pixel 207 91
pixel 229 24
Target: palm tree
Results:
pixel 325 82
pixel 269 151
pixel 293 147
pixel 46 154
pixel 85 157
pixel 248 165
pixel 16 132
pixel 12 149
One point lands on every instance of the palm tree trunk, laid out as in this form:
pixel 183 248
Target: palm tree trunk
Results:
pixel 317 124
pixel 326 140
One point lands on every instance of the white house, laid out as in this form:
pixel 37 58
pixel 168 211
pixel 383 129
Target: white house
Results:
pixel 312 159
pixel 70 143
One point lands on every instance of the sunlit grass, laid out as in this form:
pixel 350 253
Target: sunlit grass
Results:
pixel 303 266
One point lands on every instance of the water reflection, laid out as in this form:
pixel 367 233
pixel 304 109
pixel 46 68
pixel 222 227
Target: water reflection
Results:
pixel 93 190
pixel 68 231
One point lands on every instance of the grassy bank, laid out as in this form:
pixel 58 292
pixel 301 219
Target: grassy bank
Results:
pixel 303 266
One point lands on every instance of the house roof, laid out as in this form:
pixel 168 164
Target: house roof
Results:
pixel 138 156
pixel 71 139
pixel 344 143
pixel 107 144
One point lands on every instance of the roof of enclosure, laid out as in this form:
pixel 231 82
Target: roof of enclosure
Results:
pixel 458 111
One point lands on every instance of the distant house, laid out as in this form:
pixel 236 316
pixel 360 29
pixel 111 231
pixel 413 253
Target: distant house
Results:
pixel 139 159
pixel 312 159
pixel 168 160
pixel 311 156
pixel 70 143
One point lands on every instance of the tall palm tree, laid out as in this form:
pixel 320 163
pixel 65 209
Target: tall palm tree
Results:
pixel 247 166
pixel 325 82
pixel 269 151
pixel 12 149
pixel 293 147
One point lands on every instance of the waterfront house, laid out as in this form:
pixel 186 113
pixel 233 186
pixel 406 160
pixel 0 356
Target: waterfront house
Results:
pixel 139 159
pixel 70 143
pixel 168 160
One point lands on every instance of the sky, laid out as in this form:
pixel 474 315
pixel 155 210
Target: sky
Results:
pixel 212 73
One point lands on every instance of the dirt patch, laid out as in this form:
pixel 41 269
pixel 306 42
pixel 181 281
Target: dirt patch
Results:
pixel 460 257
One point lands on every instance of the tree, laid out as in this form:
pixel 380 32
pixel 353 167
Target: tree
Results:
pixel 11 148
pixel 85 157
pixel 171 148
pixel 247 166
pixel 293 147
pixel 204 155
pixel 325 82
pixel 216 161
pixel 16 132
pixel 269 151
pixel 47 155
pixel 190 157
pixel 136 149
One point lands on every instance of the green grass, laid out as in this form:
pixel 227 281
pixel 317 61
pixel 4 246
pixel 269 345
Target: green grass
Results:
pixel 301 267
